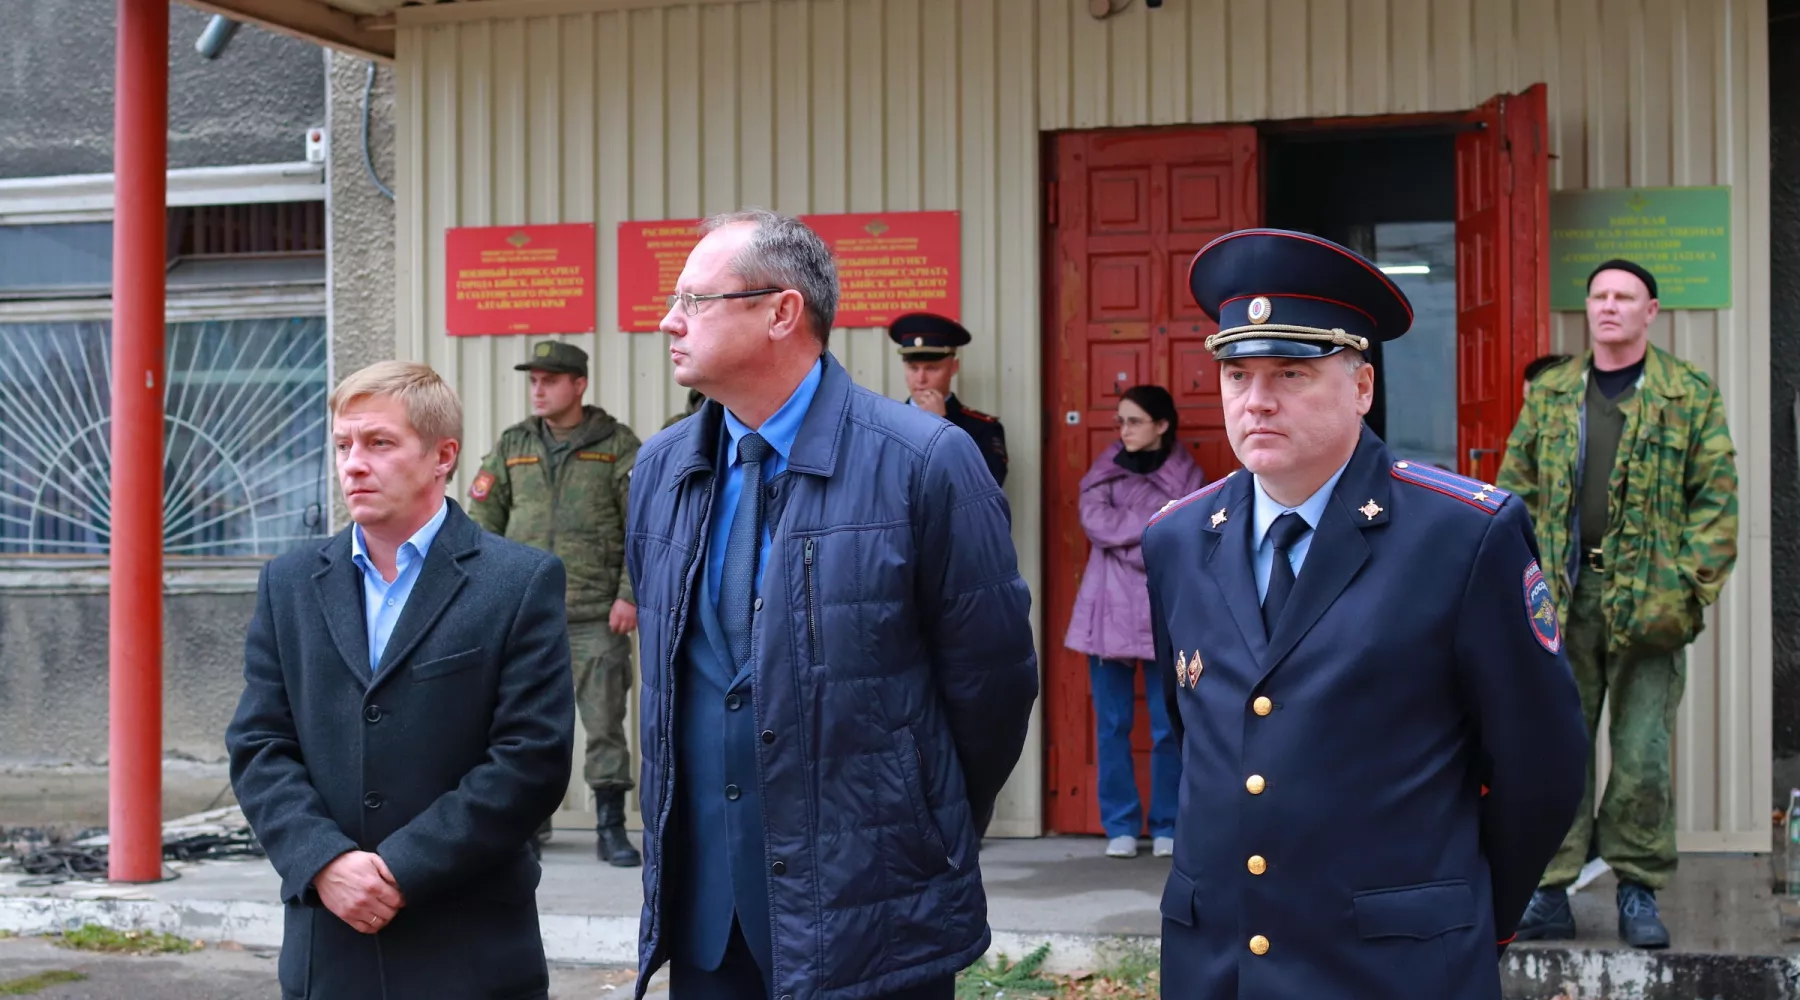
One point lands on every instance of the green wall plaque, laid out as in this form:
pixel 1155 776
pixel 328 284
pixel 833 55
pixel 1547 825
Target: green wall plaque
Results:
pixel 1680 234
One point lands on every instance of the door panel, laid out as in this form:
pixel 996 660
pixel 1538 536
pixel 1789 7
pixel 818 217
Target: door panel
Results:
pixel 1131 208
pixel 1502 260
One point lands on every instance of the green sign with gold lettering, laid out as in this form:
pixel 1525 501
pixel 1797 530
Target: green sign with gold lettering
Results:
pixel 1682 235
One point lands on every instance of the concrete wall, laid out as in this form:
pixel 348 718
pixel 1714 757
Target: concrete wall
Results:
pixel 1784 388
pixel 252 105
pixel 54 661
pixel 359 223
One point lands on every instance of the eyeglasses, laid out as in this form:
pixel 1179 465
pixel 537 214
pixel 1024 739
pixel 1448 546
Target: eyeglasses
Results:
pixel 690 303
pixel 1119 421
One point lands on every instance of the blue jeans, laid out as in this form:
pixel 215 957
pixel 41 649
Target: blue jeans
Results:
pixel 1115 703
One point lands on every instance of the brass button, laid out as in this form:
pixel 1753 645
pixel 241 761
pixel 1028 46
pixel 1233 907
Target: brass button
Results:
pixel 1259 945
pixel 1258 865
pixel 1262 706
pixel 1255 784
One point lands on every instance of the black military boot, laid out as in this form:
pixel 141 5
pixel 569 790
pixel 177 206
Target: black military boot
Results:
pixel 1640 925
pixel 1548 918
pixel 613 846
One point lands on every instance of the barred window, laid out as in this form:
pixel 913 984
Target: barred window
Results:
pixel 245 459
pixel 244 456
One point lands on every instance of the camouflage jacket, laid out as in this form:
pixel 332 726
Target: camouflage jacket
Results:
pixel 578 513
pixel 1672 522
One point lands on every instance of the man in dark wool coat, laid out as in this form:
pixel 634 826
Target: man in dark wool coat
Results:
pixel 407 722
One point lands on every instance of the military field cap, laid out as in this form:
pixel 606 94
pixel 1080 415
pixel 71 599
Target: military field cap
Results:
pixel 927 337
pixel 554 356
pixel 1282 294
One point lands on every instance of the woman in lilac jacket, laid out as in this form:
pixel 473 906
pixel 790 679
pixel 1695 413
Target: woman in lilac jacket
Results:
pixel 1131 480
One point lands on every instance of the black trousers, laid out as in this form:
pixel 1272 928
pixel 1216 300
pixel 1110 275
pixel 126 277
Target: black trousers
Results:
pixel 739 977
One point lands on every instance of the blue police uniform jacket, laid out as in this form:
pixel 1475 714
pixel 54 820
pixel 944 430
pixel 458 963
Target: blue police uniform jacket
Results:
pixel 830 792
pixel 1334 838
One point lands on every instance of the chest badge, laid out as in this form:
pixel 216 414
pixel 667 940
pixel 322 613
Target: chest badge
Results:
pixel 1370 509
pixel 1187 672
pixel 1218 517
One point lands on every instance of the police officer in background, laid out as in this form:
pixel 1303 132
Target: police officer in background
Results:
pixel 558 481
pixel 1355 645
pixel 928 345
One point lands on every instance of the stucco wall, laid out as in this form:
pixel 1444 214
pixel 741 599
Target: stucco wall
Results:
pixel 251 105
pixel 359 223
pixel 1784 388
pixel 54 662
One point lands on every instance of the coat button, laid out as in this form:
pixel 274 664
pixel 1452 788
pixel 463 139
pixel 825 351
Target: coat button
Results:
pixel 1258 864
pixel 768 736
pixel 372 800
pixel 1255 784
pixel 1262 706
pixel 732 792
pixel 372 713
pixel 1259 945
pixel 756 605
pixel 732 702
pixel 778 868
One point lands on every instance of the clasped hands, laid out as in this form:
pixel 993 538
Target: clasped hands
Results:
pixel 358 887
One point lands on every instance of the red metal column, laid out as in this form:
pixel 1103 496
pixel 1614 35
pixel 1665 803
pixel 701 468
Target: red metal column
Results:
pixel 140 165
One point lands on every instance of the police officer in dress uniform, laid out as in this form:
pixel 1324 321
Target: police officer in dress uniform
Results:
pixel 1357 648
pixel 928 345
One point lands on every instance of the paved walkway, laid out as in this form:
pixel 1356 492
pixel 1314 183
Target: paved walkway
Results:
pixel 1055 889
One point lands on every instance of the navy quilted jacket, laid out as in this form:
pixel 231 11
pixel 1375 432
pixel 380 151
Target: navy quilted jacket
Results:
pixel 895 674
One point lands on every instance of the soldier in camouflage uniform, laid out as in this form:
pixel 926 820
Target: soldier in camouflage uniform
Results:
pixel 559 481
pixel 1628 469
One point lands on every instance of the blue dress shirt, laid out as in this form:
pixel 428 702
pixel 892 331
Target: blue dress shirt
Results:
pixel 780 431
pixel 1267 510
pixel 383 601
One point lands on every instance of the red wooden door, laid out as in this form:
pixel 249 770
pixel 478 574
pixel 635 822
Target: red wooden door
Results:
pixel 1502 270
pixel 1128 211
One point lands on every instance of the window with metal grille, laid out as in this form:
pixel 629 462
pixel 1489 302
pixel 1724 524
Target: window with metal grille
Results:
pixel 245 461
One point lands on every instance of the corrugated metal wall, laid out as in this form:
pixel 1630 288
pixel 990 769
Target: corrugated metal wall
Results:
pixel 587 110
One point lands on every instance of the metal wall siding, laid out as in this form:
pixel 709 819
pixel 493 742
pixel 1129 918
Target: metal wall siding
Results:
pixel 589 110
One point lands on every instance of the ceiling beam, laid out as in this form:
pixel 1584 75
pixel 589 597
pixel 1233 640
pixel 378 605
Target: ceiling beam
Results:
pixel 310 20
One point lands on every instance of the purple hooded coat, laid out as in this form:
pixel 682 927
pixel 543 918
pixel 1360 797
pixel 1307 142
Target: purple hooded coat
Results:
pixel 1112 608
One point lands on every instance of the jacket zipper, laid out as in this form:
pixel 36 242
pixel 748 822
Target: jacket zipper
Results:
pixel 919 756
pixel 812 604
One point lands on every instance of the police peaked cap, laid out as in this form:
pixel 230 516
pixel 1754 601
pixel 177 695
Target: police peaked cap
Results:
pixel 1281 294
pixel 927 337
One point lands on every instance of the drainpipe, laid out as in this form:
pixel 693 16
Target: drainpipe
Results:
pixel 140 171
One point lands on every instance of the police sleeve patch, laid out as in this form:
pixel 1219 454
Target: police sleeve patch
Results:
pixel 1541 610
pixel 478 490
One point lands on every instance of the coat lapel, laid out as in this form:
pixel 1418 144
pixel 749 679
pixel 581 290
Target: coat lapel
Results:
pixel 439 580
pixel 1338 548
pixel 338 586
pixel 1229 559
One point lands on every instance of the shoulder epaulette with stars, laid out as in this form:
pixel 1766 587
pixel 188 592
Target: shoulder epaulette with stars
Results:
pixel 978 415
pixel 1474 492
pixel 1199 494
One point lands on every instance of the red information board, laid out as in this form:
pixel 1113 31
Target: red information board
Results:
pixel 520 279
pixel 651 256
pixel 889 263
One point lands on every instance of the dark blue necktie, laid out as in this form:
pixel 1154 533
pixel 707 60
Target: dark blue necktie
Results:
pixel 737 581
pixel 1286 530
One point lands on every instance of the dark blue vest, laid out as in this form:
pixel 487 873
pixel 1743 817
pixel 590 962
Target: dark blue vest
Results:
pixel 717 860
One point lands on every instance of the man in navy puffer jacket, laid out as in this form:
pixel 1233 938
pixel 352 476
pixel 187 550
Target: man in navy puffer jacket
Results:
pixel 837 660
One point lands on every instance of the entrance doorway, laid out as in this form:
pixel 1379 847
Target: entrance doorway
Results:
pixel 1455 208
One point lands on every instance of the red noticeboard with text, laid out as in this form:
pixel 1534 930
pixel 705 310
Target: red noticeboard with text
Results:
pixel 520 279
pixel 889 263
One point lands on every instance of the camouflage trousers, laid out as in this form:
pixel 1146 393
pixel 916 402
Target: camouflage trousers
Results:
pixel 1635 827
pixel 602 665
